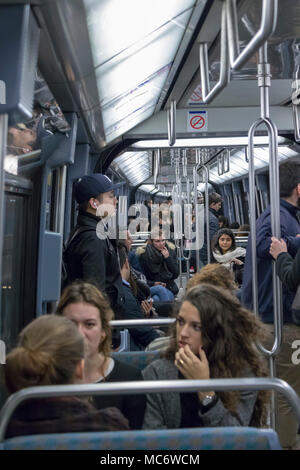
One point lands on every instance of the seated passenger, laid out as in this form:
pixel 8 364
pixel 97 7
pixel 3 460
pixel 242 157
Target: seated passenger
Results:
pixel 140 337
pixel 50 352
pixel 159 263
pixel 228 254
pixel 214 337
pixel 86 306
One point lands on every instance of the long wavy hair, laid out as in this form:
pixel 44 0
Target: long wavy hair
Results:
pixel 229 333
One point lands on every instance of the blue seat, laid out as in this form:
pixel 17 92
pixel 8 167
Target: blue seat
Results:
pixel 230 438
pixel 138 359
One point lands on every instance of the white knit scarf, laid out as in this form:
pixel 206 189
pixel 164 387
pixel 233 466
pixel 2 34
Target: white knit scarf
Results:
pixel 227 258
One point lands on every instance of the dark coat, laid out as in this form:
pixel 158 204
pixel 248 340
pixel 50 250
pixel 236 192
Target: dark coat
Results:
pixel 213 229
pixel 290 227
pixel 93 259
pixel 157 268
pixel 131 406
pixel 63 415
pixel 140 337
pixel 288 269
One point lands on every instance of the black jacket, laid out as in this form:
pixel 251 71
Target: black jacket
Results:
pixel 288 270
pixel 95 260
pixel 62 415
pixel 131 406
pixel 157 268
pixel 140 337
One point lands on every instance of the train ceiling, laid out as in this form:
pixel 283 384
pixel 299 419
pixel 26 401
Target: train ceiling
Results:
pixel 118 63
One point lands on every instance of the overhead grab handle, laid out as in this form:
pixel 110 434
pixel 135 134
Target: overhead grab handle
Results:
pixel 267 28
pixel 295 103
pixel 207 94
pixel 172 123
pixel 156 163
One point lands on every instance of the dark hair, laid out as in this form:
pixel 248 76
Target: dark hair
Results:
pixel 213 198
pixel 84 292
pixel 234 225
pixel 289 177
pixel 224 220
pixel 215 241
pixel 229 334
pixel 122 252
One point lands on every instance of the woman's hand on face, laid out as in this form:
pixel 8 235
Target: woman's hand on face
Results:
pixel 277 247
pixel 191 366
pixel 165 252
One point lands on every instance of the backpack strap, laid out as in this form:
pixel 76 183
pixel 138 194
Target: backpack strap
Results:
pixel 76 232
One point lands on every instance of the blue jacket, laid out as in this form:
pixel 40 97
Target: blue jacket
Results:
pixel 290 227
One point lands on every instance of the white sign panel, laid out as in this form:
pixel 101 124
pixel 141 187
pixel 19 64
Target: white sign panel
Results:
pixel 197 121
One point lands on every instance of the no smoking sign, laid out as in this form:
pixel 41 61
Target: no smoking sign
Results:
pixel 196 121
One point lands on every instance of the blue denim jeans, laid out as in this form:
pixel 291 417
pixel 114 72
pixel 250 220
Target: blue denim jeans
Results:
pixel 161 294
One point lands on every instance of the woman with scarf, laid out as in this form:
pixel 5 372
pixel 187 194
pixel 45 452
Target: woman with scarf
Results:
pixel 226 252
pixel 159 263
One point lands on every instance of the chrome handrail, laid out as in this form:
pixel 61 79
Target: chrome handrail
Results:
pixel 203 167
pixel 264 83
pixel 207 94
pixel 140 323
pixel 149 386
pixel 267 28
pixel 172 123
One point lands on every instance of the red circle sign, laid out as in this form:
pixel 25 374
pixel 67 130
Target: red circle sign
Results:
pixel 197 122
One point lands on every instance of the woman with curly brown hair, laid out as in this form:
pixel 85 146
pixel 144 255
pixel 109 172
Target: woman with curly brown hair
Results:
pixel 215 274
pixel 214 337
pixel 89 309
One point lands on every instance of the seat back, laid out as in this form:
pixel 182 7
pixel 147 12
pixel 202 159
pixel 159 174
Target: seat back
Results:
pixel 138 359
pixel 231 438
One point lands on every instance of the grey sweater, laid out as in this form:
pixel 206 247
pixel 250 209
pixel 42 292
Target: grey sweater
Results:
pixel 163 410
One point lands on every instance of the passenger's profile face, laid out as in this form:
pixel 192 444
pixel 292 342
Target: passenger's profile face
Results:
pixel 225 243
pixel 188 328
pixel 87 319
pixel 108 204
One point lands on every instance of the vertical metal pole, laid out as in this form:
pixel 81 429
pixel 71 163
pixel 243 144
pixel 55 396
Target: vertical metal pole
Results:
pixel 3 137
pixel 207 213
pixel 195 179
pixel 264 81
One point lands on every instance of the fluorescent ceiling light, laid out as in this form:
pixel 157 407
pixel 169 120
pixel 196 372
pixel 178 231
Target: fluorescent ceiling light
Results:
pixel 134 44
pixel 205 142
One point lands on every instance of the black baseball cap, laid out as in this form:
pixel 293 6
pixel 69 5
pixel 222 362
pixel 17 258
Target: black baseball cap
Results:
pixel 91 186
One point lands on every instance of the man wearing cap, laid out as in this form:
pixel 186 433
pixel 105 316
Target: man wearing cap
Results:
pixel 91 255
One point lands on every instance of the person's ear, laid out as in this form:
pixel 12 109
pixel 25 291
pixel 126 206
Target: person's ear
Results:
pixel 79 370
pixel 93 203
